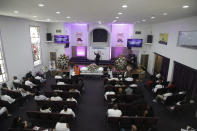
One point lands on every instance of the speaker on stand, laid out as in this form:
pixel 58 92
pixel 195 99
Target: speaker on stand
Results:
pixel 149 38
pixel 49 37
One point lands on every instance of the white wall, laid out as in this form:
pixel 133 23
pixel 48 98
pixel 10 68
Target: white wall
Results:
pixel 182 55
pixel 146 29
pixel 16 43
pixel 58 48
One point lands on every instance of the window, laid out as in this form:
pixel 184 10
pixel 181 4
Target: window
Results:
pixel 35 42
pixel 3 71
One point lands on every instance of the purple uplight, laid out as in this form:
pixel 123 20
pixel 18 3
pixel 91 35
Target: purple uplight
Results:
pixel 81 51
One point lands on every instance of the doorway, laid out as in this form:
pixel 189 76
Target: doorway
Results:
pixel 144 61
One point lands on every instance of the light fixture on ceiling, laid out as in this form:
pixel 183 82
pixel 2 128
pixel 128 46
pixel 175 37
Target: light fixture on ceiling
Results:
pixel 57 12
pixel 48 19
pixel 165 13
pixel 120 13
pixel 124 6
pixel 152 17
pixel 34 16
pixel 68 17
pixel 114 21
pixel 144 20
pixel 117 17
pixel 137 21
pixel 185 6
pixel 16 11
pixel 99 22
pixel 41 5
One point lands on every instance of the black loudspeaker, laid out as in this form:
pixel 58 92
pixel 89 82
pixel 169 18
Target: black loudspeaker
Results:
pixel 49 37
pixel 66 46
pixel 150 39
pixel 129 47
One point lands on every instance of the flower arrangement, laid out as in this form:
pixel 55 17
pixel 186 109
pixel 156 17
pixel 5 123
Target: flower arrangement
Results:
pixel 93 67
pixel 44 69
pixel 121 63
pixel 63 62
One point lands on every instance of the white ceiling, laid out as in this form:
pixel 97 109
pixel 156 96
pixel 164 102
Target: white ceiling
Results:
pixel 92 11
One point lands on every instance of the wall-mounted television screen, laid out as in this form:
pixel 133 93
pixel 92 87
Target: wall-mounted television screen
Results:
pixel 61 39
pixel 134 42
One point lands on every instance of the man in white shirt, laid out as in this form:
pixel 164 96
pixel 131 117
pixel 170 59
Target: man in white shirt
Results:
pixel 158 76
pixel 16 80
pixel 109 93
pixel 162 97
pixel 114 112
pixel 7 98
pixel 29 83
pixel 60 83
pixel 44 109
pixel 39 97
pixel 67 111
pixel 40 79
pixel 74 90
pixel 56 98
pixel 58 77
pixel 158 86
pixel 62 126
pixel 71 99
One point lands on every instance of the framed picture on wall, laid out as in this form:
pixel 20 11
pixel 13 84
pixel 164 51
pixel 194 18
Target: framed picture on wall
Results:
pixel 163 38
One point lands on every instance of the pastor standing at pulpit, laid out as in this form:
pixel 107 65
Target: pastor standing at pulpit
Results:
pixel 97 59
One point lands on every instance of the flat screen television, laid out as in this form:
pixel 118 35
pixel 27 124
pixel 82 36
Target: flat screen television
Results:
pixel 134 43
pixel 100 35
pixel 61 39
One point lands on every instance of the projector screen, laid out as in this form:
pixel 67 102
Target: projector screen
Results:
pixel 99 35
pixel 187 38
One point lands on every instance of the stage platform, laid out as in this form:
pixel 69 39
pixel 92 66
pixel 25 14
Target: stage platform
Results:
pixel 85 61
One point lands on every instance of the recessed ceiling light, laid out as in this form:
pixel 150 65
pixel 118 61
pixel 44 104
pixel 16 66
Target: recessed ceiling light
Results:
pixel 57 12
pixel 144 20
pixel 68 17
pixel 35 16
pixel 114 21
pixel 41 5
pixel 120 13
pixel 117 17
pixel 99 22
pixel 185 6
pixel 16 11
pixel 152 17
pixel 124 6
pixel 165 13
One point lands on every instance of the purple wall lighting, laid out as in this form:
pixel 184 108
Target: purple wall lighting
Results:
pixel 81 51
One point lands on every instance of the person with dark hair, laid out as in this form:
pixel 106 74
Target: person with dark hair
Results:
pixel 97 58
pixel 68 111
pixel 16 80
pixel 55 97
pixel 128 73
pixel 39 97
pixel 114 112
pixel 71 99
pixel 4 110
pixel 61 125
pixel 29 83
pixel 45 109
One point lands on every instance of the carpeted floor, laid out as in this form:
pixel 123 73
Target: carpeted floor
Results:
pixel 91 111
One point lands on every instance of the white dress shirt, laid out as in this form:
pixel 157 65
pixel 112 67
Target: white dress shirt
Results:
pixel 17 81
pixel 109 93
pixel 29 83
pixel 68 112
pixel 166 95
pixel 56 98
pixel 60 83
pixel 41 98
pixel 158 86
pixel 128 79
pixel 45 111
pixel 71 99
pixel 133 85
pixel 61 127
pixel 7 98
pixel 2 110
pixel 158 76
pixel 114 113
pixel 58 77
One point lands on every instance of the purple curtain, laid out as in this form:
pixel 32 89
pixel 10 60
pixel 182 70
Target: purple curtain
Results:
pixel 185 78
pixel 165 67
